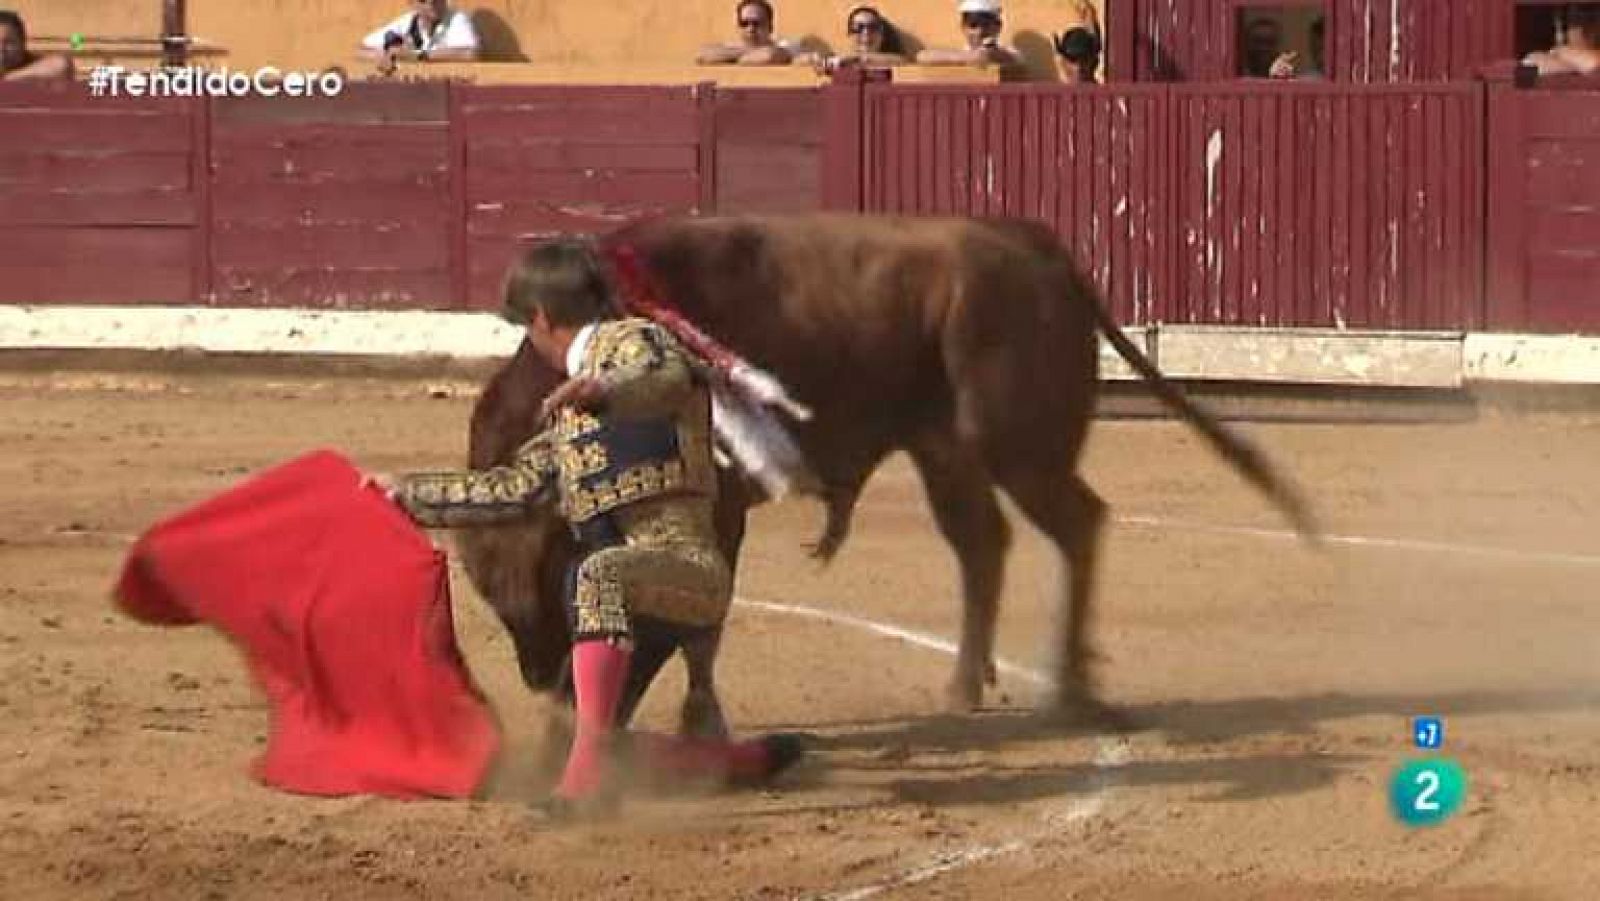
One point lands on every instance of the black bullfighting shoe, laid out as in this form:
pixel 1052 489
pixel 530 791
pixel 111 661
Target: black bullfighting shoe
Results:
pixel 781 752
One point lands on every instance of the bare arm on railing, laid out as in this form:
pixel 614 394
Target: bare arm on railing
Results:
pixel 50 65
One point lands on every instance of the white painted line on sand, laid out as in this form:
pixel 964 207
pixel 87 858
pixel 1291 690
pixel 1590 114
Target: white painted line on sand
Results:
pixel 1110 754
pixel 1404 544
pixel 943 864
pixel 889 630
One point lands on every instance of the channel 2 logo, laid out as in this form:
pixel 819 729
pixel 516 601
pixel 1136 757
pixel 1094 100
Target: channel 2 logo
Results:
pixel 1430 790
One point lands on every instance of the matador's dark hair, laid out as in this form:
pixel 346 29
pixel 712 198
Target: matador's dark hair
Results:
pixel 562 277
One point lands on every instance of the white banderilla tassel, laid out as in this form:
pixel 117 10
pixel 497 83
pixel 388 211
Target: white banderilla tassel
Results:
pixel 768 390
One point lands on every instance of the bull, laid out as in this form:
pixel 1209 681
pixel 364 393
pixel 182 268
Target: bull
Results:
pixel 970 344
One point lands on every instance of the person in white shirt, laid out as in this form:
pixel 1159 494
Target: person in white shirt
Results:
pixel 430 31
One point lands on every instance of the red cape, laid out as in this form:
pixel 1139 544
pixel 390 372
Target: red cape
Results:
pixel 342 608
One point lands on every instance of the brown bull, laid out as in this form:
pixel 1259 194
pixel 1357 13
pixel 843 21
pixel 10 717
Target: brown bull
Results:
pixel 970 344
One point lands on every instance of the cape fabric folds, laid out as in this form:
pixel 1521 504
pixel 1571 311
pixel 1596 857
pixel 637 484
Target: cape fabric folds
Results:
pixel 741 394
pixel 342 608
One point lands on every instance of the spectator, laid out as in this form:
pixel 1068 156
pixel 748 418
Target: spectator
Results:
pixel 1262 51
pixel 1579 49
pixel 17 63
pixel 874 41
pixel 756 46
pixel 431 31
pixel 1080 55
pixel 980 27
pixel 1287 65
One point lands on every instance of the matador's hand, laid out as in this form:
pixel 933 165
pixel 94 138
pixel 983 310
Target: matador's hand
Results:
pixel 386 484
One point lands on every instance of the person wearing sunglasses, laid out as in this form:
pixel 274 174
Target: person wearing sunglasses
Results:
pixel 874 42
pixel 981 23
pixel 756 45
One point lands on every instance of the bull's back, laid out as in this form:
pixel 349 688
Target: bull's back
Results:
pixel 842 306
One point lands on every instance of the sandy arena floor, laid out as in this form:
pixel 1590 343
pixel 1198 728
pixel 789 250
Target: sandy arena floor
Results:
pixel 1271 686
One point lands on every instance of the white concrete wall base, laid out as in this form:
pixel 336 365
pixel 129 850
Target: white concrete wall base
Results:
pixel 1295 356
pixel 265 331
pixel 1311 356
pixel 1543 359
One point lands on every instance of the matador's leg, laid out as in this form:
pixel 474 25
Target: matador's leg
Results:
pixel 666 582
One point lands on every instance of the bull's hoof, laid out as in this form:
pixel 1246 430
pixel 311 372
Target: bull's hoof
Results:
pixel 701 717
pixel 963 696
pixel 1076 703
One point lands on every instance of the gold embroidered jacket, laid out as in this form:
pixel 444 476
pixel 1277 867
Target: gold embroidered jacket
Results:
pixel 649 439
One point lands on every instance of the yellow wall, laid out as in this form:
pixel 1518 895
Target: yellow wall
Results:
pixel 313 34
pixel 63 17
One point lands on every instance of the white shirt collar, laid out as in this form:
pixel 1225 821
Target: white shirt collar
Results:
pixel 579 346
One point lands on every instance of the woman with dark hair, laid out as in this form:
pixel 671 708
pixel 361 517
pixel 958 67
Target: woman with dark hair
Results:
pixel 873 37
pixel 874 41
pixel 1079 48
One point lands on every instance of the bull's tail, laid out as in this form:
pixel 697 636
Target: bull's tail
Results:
pixel 1244 456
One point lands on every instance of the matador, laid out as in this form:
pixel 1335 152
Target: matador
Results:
pixel 626 457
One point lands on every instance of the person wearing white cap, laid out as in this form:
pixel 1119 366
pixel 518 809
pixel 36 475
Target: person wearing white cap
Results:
pixel 980 27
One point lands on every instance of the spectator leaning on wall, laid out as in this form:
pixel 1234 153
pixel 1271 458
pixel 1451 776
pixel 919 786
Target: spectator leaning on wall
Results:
pixel 874 42
pixel 430 31
pixel 756 45
pixel 1579 49
pixel 1261 51
pixel 981 24
pixel 17 62
pixel 1288 65
pixel 1080 55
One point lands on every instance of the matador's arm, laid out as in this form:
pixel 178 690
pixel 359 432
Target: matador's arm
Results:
pixel 503 494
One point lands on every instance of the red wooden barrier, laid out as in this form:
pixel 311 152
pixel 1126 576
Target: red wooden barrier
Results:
pixel 1227 204
pixel 1342 206
pixel 769 149
pixel 1093 162
pixel 1368 41
pixel 1544 208
pixel 1280 205
pixel 540 161
pixel 100 197
pixel 335 203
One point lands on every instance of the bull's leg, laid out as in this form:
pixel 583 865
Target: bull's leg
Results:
pixel 520 573
pixel 970 518
pixel 701 715
pixel 1073 516
pixel 841 504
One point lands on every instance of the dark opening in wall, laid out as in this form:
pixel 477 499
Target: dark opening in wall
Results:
pixel 1280 40
pixel 1542 24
